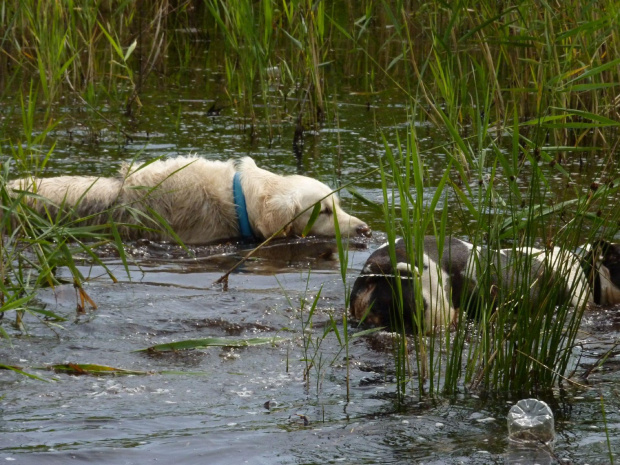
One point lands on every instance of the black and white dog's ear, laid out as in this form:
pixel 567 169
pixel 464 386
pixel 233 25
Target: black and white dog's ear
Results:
pixel 611 252
pixel 599 249
pixel 609 256
pixel 603 269
pixel 606 253
pixel 593 254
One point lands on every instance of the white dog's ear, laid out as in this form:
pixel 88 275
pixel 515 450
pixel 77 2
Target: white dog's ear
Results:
pixel 278 211
pixel 246 163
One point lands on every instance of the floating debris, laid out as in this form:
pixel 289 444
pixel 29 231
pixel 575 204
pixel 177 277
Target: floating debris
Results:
pixel 211 342
pixel 270 404
pixel 92 369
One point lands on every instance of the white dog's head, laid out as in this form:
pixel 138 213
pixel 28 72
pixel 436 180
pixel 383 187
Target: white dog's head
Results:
pixel 273 201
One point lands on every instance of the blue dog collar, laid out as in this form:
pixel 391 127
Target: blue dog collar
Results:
pixel 242 213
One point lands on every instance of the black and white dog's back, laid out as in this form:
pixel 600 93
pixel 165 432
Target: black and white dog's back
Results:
pixel 456 275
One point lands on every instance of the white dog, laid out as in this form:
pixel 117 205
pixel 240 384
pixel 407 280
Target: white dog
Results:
pixel 202 201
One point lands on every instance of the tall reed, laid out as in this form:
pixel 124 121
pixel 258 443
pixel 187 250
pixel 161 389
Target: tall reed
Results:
pixel 496 133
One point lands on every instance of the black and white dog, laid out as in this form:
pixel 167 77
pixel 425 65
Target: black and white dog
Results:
pixel 456 277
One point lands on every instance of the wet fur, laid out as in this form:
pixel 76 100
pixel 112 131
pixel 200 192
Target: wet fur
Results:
pixel 454 280
pixel 194 196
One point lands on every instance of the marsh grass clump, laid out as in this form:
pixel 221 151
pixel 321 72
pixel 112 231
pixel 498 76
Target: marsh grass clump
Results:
pixel 101 56
pixel 34 246
pixel 35 243
pixel 551 67
pixel 520 92
pixel 517 330
pixel 95 55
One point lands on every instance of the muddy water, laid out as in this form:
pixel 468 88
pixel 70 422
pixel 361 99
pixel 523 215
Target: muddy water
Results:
pixel 257 404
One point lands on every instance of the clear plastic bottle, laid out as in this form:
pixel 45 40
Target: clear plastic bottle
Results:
pixel 531 421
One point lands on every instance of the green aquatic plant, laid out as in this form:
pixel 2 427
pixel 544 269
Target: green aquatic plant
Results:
pixel 36 242
pixel 516 91
pixel 92 55
pixel 609 448
pixel 517 342
pixel 283 57
pixel 313 358
pixel 204 343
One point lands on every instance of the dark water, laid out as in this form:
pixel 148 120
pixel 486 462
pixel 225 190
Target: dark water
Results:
pixel 208 406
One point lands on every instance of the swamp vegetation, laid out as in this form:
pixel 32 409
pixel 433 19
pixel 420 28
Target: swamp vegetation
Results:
pixel 492 121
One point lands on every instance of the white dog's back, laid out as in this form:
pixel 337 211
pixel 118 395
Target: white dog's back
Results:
pixel 195 199
pixel 192 195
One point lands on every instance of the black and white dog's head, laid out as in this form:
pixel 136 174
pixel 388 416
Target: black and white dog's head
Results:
pixel 376 299
pixel 452 278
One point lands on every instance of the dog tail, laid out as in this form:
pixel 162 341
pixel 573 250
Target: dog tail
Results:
pixel 85 196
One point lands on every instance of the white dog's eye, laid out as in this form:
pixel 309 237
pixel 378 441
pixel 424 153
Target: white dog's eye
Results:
pixel 326 211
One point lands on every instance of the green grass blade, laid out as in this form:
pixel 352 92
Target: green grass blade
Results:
pixel 21 372
pixel 316 211
pixel 92 369
pixel 210 342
